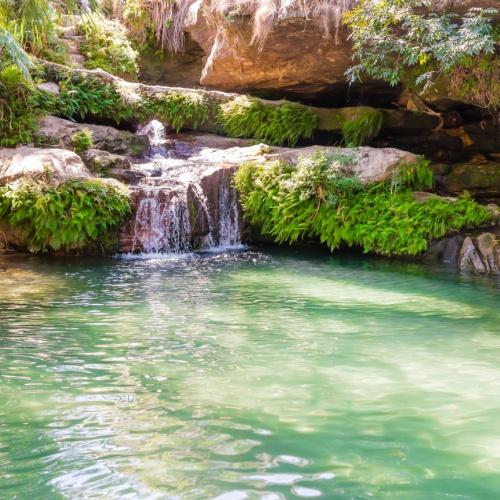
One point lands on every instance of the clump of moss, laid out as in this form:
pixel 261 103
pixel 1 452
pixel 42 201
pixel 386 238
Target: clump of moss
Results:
pixel 106 46
pixel 362 128
pixel 82 141
pixel 322 199
pixel 286 124
pixel 67 216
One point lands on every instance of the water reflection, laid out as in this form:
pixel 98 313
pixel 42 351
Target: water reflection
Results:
pixel 247 375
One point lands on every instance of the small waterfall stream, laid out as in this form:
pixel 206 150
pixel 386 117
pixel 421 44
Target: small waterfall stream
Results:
pixel 181 205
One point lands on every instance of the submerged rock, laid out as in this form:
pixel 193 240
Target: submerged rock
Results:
pixel 477 252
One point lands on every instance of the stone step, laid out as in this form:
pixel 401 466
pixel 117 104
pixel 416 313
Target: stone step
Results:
pixel 73 46
pixel 69 21
pixel 77 59
pixel 69 31
pixel 74 38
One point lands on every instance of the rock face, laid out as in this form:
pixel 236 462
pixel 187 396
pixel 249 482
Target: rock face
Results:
pixel 304 53
pixel 481 180
pixel 57 131
pixel 56 165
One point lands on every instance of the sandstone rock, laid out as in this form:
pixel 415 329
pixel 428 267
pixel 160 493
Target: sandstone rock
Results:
pixel 469 259
pixel 55 165
pixel 50 87
pixel 482 181
pixel 370 164
pixel 102 161
pixel 59 131
pixel 298 56
pixel 477 252
pixel 481 254
pixel 126 175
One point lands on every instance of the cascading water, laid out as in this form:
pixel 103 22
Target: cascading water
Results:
pixel 229 217
pixel 162 223
pixel 182 204
pixel 157 134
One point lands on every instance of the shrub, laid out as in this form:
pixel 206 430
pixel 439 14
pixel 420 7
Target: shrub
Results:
pixel 82 141
pixel 397 41
pixel 363 128
pixel 321 199
pixel 67 216
pixel 286 124
pixel 107 47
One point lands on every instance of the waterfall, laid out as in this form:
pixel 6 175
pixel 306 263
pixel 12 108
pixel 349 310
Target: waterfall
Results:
pixel 181 205
pixel 161 223
pixel 157 134
pixel 229 217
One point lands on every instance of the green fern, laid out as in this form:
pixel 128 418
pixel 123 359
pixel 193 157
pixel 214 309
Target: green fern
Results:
pixel 316 199
pixel 286 124
pixel 68 216
pixel 363 128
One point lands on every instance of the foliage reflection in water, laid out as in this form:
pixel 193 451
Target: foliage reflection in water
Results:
pixel 247 375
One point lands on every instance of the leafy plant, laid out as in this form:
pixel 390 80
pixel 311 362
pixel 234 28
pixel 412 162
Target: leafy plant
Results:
pixel 396 41
pixel 19 111
pixel 82 96
pixel 363 128
pixel 244 116
pixel 320 199
pixel 176 109
pixel 106 46
pixel 12 52
pixel 82 141
pixel 68 216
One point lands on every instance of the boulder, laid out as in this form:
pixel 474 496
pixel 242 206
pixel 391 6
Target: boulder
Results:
pixel 477 252
pixel 126 176
pixel 55 165
pixel 53 130
pixel 102 161
pixel 482 181
pixel 369 164
pixel 481 254
pixel 49 87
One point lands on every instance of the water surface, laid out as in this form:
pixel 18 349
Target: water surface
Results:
pixel 260 375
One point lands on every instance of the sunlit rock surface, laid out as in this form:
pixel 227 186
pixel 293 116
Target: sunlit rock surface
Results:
pixel 56 165
pixel 57 131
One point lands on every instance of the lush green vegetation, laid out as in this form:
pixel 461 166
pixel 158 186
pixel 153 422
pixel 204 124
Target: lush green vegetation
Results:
pixel 363 128
pixel 321 199
pixel 19 107
pixel 175 109
pixel 107 47
pixel 82 141
pixel 281 125
pixel 81 97
pixel 396 41
pixel 68 216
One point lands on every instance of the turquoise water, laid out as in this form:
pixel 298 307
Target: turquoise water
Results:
pixel 247 375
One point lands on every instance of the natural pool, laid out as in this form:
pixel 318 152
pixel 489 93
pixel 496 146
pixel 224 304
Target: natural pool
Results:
pixel 259 374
